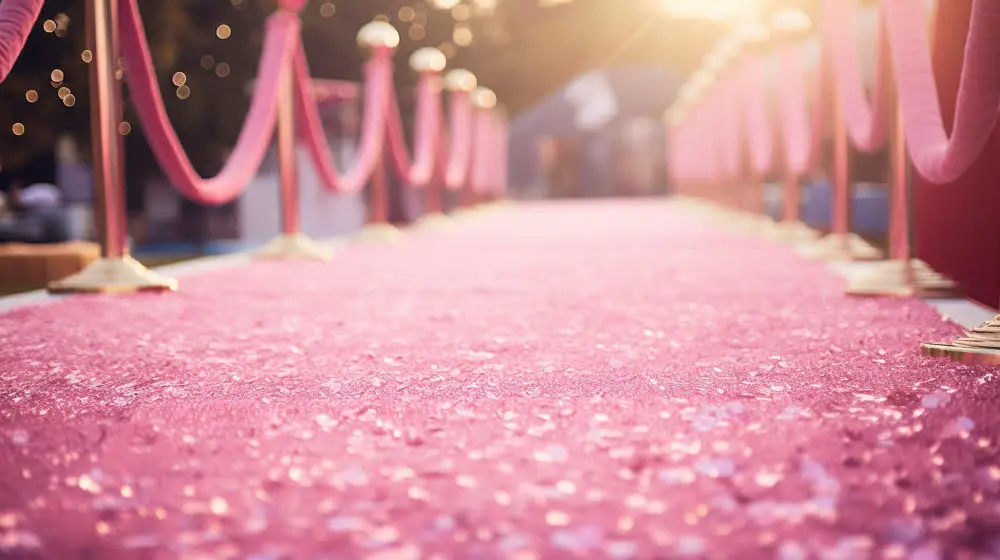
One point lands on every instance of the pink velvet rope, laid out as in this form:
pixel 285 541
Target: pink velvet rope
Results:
pixel 501 131
pixel 420 172
pixel 16 19
pixel 757 113
pixel 460 134
pixel 793 106
pixel 255 137
pixel 935 156
pixel 482 151
pixel 867 123
pixel 378 90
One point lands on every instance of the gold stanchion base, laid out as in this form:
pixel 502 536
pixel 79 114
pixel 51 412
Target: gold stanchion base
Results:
pixel 293 247
pixel 113 276
pixel 980 346
pixel 379 233
pixel 842 247
pixel 795 233
pixel 433 220
pixel 897 278
pixel 964 354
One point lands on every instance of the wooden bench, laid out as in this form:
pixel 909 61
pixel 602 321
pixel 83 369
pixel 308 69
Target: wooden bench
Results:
pixel 26 267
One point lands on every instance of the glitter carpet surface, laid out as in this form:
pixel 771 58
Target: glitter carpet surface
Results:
pixel 607 380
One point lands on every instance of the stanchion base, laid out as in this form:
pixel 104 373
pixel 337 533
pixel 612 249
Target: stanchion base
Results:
pixel 964 354
pixel 842 247
pixel 434 220
pixel 293 247
pixel 113 276
pixel 795 233
pixel 897 278
pixel 379 233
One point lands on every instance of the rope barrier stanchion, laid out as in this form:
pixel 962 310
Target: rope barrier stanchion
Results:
pixel 790 27
pixel 473 192
pixel 116 271
pixel 429 62
pixel 902 275
pixel 379 36
pixel 291 243
pixel 842 244
pixel 457 156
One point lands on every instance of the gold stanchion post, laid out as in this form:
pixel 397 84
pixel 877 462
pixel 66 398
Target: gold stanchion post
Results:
pixel 375 37
pixel 428 63
pixel 842 244
pixel 116 271
pixel 291 243
pixel 902 275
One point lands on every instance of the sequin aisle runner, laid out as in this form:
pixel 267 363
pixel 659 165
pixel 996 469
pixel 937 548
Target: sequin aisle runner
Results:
pixel 607 379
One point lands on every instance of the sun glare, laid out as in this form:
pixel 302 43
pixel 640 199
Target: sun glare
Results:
pixel 731 10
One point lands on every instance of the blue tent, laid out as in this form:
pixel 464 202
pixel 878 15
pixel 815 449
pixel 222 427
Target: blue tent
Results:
pixel 591 111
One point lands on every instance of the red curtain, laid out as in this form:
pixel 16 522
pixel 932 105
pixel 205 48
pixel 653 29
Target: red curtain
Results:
pixel 957 226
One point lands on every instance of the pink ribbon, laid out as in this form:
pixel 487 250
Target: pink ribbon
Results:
pixel 420 172
pixel 281 37
pixel 378 92
pixel 936 156
pixel 16 19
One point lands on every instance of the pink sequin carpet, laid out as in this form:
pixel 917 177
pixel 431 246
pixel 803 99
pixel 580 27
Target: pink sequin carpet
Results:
pixel 605 380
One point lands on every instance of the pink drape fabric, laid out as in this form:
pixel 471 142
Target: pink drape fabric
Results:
pixel 281 36
pixel 16 19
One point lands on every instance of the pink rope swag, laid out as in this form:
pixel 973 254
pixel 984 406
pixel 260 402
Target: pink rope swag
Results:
pixel 867 123
pixel 255 137
pixel 377 92
pixel 461 135
pixel 16 19
pixel 937 157
pixel 420 171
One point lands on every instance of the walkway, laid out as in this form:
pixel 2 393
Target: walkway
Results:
pixel 594 379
